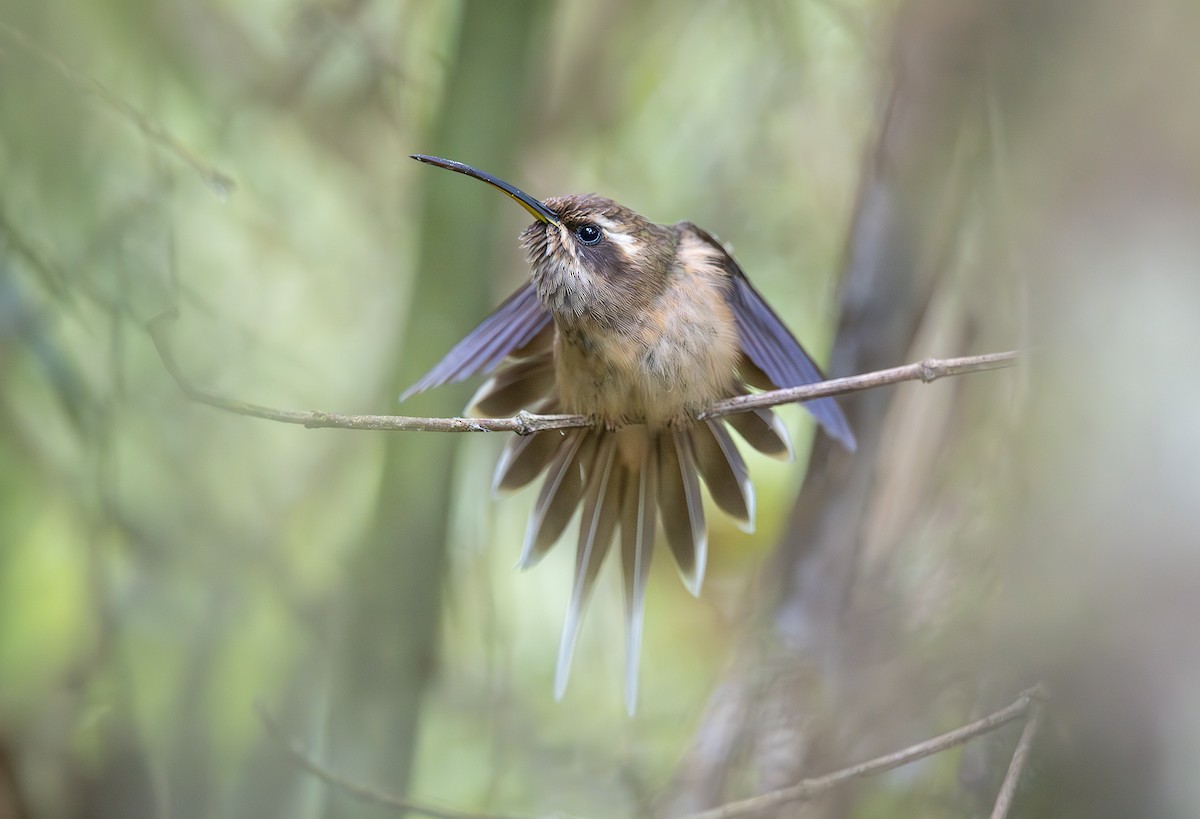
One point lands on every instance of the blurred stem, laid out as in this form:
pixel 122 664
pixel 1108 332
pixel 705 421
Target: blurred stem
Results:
pixel 388 636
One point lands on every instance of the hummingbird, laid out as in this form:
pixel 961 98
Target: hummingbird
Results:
pixel 640 327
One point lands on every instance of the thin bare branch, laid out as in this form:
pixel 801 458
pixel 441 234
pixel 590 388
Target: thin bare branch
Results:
pixel 928 370
pixel 1027 704
pixel 364 792
pixel 808 788
pixel 1017 766
pixel 524 423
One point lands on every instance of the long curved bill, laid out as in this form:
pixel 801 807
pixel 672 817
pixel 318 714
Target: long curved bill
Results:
pixel 536 209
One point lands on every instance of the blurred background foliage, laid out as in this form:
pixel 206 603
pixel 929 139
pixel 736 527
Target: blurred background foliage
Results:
pixel 965 167
pixel 165 565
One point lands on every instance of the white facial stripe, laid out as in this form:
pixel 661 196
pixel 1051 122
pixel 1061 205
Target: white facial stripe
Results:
pixel 626 243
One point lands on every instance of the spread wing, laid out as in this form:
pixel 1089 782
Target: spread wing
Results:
pixel 513 325
pixel 769 344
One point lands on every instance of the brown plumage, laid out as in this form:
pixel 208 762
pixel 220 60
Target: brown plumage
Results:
pixel 640 326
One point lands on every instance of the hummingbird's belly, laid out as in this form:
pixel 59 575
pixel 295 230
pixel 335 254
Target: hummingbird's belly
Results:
pixel 669 363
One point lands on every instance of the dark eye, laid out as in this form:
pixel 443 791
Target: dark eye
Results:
pixel 589 234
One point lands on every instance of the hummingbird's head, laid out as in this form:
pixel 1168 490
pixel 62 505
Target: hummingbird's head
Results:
pixel 592 259
pixel 597 259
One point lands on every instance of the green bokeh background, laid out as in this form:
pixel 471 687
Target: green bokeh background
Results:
pixel 164 565
pixel 993 174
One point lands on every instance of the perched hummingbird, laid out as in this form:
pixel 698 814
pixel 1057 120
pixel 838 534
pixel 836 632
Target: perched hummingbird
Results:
pixel 640 326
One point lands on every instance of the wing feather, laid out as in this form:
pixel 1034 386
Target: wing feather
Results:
pixel 513 325
pixel 769 344
pixel 515 387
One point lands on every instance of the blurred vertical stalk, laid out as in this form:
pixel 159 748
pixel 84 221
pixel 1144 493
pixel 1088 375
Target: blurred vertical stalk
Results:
pixel 387 645
pixel 778 709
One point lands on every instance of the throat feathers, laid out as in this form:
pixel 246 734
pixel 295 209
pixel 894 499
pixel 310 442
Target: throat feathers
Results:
pixel 641 327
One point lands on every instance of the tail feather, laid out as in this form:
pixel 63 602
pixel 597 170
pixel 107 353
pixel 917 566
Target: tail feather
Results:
pixel 682 506
pixel 560 494
pixel 762 429
pixel 601 508
pixel 724 472
pixel 637 547
pixel 524 458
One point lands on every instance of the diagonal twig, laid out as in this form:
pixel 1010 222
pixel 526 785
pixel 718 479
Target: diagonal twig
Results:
pixel 525 423
pixel 1016 767
pixel 1025 704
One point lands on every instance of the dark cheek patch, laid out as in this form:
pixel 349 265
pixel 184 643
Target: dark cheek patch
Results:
pixel 606 261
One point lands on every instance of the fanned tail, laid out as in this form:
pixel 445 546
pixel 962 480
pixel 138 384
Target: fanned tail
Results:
pixel 633 477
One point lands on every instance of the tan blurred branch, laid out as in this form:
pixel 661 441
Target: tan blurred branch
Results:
pixel 525 423
pixel 1026 704
pixel 366 793
pixel 220 182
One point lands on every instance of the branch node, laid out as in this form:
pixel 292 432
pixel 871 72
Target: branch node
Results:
pixel 524 423
pixel 316 419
